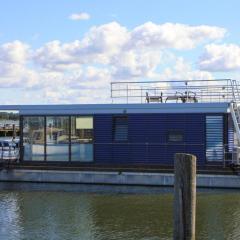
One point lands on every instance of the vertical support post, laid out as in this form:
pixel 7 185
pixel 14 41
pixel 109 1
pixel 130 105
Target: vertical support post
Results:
pixel 13 132
pixel 184 196
pixel 45 138
pixel 127 93
pixel 69 139
pixel 21 149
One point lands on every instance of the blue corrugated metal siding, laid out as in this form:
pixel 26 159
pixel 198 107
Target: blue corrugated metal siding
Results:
pixel 103 126
pixel 147 139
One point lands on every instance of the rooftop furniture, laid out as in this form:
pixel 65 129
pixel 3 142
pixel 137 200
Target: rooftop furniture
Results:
pixel 177 96
pixel 154 98
pixel 189 96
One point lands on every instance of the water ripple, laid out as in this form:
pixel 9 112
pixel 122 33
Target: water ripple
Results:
pixel 81 216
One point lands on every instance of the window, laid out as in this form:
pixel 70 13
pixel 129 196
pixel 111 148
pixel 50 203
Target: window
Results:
pixel 214 138
pixel 48 138
pixel 57 138
pixel 82 138
pixel 175 136
pixel 33 138
pixel 120 129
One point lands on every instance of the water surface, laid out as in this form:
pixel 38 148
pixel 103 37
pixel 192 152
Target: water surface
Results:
pixel 79 215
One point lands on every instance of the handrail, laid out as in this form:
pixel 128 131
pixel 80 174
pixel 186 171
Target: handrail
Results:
pixel 235 122
pixel 214 90
pixel 231 156
pixel 173 81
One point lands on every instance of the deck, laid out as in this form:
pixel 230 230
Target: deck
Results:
pixel 214 169
pixel 110 176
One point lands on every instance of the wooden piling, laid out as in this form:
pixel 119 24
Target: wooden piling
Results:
pixel 184 196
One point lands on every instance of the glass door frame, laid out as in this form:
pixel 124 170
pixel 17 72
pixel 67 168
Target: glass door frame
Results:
pixel 21 118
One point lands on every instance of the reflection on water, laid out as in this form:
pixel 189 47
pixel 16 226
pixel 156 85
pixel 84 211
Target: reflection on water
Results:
pixel 74 215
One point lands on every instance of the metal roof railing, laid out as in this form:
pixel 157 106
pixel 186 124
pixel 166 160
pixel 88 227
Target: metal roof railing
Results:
pixel 182 91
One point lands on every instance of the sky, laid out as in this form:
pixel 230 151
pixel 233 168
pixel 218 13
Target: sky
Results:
pixel 69 51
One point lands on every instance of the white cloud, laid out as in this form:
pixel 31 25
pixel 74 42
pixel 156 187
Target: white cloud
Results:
pixel 79 16
pixel 98 46
pixel 14 52
pixel 183 70
pixel 136 64
pixel 55 56
pixel 81 71
pixel 170 35
pixel 225 57
pixel 107 38
pixel 90 85
pixel 14 72
pixel 109 43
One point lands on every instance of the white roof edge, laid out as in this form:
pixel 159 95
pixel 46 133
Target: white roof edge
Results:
pixel 119 108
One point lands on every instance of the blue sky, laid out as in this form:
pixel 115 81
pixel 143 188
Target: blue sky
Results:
pixel 49 19
pixel 35 69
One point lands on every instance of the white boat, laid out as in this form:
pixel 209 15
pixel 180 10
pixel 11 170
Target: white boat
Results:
pixel 9 150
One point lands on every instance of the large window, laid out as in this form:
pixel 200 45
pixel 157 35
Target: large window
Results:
pixel 57 138
pixel 33 138
pixel 120 129
pixel 82 138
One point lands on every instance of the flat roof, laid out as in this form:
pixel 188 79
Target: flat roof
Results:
pixel 118 108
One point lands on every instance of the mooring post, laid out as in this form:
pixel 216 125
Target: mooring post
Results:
pixel 184 196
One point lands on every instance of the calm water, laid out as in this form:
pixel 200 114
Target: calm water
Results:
pixel 78 215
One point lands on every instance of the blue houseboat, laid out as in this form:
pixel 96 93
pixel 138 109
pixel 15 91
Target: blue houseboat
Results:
pixel 154 121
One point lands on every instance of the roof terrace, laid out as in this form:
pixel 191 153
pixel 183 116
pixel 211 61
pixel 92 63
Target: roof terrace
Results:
pixel 182 91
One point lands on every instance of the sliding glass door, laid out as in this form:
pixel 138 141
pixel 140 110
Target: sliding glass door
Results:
pixel 57 138
pixel 33 138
